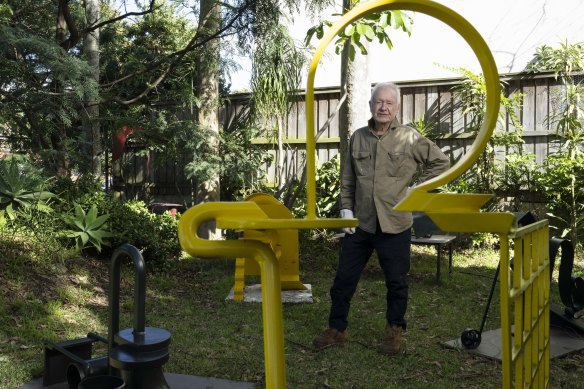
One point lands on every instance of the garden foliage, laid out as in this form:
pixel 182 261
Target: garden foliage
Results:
pixel 87 228
pixel 562 173
pixel 22 186
pixel 154 235
pixel 81 217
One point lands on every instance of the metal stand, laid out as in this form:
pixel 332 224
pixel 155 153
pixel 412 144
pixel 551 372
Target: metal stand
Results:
pixel 71 361
pixel 471 338
pixel 571 288
pixel 135 355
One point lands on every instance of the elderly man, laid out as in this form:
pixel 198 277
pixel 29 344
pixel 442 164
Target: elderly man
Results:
pixel 377 170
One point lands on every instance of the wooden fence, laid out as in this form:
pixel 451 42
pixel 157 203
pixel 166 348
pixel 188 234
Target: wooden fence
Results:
pixel 430 101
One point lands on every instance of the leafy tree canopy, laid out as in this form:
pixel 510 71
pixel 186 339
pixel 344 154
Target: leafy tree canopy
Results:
pixel 147 70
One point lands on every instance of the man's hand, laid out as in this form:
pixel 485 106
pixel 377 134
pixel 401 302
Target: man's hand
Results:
pixel 347 214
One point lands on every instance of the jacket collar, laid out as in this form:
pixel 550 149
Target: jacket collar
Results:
pixel 392 126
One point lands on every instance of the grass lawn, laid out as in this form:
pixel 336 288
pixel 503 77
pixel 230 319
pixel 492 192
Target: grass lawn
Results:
pixel 217 338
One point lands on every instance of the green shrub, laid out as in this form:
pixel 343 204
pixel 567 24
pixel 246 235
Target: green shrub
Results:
pixel 328 187
pixel 27 217
pixel 22 186
pixel 328 190
pixel 86 191
pixel 156 236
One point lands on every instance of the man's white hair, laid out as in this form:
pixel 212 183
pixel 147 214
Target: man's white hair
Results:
pixel 385 85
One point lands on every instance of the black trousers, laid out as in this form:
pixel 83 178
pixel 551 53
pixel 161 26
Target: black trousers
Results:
pixel 393 251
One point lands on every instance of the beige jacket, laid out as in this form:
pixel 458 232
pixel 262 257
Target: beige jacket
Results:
pixel 378 170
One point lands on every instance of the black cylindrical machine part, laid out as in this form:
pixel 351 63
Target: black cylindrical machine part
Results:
pixel 76 372
pixel 102 382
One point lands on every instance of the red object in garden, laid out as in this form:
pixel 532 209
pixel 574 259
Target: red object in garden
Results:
pixel 119 141
pixel 160 208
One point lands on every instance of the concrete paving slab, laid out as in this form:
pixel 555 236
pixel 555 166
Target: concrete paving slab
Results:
pixel 176 381
pixel 562 342
pixel 253 294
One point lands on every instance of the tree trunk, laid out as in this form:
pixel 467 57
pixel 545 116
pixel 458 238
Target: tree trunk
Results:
pixel 59 135
pixel 208 88
pixel 91 125
pixel 355 82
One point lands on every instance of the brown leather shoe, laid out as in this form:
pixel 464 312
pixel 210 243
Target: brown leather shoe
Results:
pixel 329 337
pixel 394 341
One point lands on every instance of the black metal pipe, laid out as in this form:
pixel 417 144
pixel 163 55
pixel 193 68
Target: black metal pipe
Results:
pixel 127 250
pixel 486 314
pixel 74 357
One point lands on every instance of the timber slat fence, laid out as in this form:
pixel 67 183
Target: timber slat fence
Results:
pixel 430 101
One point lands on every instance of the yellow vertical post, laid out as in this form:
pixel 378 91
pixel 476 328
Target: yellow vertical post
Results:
pixel 544 305
pixel 275 361
pixel 506 315
pixel 274 357
pixel 239 282
pixel 527 355
pixel 505 307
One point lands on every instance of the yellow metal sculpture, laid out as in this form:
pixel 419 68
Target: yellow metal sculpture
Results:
pixel 529 355
pixel 283 242
pixel 525 307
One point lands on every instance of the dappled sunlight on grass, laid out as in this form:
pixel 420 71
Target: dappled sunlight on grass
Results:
pixel 213 337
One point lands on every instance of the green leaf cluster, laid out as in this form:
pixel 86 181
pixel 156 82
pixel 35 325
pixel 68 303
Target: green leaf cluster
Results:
pixel 560 179
pixel 22 186
pixel 369 28
pixel 43 85
pixel 276 74
pixel 5 13
pixel 562 173
pixel 154 235
pixel 563 61
pixel 489 175
pixel 87 228
pixel 328 189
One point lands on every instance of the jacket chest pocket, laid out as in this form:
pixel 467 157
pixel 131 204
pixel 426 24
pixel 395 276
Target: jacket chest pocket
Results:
pixel 395 162
pixel 362 162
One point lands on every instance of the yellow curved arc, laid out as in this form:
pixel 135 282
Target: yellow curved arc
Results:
pixel 472 37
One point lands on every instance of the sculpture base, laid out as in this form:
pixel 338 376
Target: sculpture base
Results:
pixel 253 294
